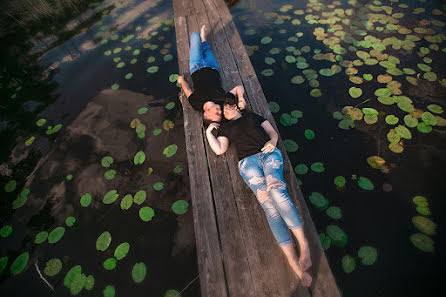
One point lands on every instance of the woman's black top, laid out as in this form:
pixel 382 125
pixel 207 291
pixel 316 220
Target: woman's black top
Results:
pixel 207 87
pixel 246 133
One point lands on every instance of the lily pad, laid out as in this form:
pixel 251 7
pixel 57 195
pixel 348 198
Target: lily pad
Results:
pixel 391 119
pixel 5 231
pixel 152 69
pixel 3 263
pixel 424 128
pixel 115 86
pixel 290 145
pixel 367 76
pixel 301 169
pixel 140 197
pixel 110 197
pixel 325 241
pixel 370 111
pixel 85 200
pixel 126 202
pixel 122 250
pixel 106 161
pixel 425 225
pixel 326 72
pixel 309 134
pixel 290 59
pixel 435 108
pixel 339 181
pixel 103 241
pixel 146 213
pixel 376 162
pixel 370 119
pixel 40 122
pixel 110 264
pixel 158 186
pixel 10 186
pixel 180 207
pixel 348 264
pixel 19 263
pixel 109 291
pixel 71 275
pixel 337 235
pixel 410 121
pixel 355 92
pixel 89 282
pixel 334 212
pixel 53 267
pixel 170 150
pixel 367 254
pixel 170 105
pixel 267 72
pixel 317 167
pixel 396 147
pixel 424 67
pixel 139 158
pixel 422 242
pixel 178 169
pixel 142 110
pixel 273 106
pixel 56 234
pixel 403 132
pixel 139 272
pixel 41 237
pixel 383 92
pixel 70 221
pixel 296 114
pixel 429 119
pixel 316 93
pixel 365 183
pixel 110 174
pixel 319 201
pixel 266 40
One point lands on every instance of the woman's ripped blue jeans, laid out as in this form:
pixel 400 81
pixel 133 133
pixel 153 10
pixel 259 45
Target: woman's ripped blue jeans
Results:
pixel 200 54
pixel 263 173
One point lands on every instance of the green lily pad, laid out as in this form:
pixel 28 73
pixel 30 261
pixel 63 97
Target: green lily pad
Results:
pixel 337 235
pixel 334 212
pixel 423 210
pixel 326 72
pixel 296 114
pixel 429 119
pixel 10 186
pixel 410 121
pixel 325 241
pixel 370 119
pixel 146 213
pixel 152 69
pixel 3 264
pixel 391 119
pixel 40 122
pixel 168 58
pixel 110 174
pixel 106 161
pixel 396 147
pixel 267 72
pixel 339 181
pixel 319 201
pixel 172 293
pixel 139 158
pixel 287 120
pixel 290 145
pixel 142 110
pixel 435 108
pixel 309 134
pixel 270 61
pixel 368 110
pixel 103 241
pixel 425 225
pixel 5 231
pixel 122 250
pixel 348 264
pixel 367 254
pixel 170 105
pixel 365 183
pixel 158 186
pixel 19 263
pixel 170 150
pixel 19 201
pixel 424 128
pixel 85 200
pixel 56 234
pixel 180 207
pixel 393 137
pixel 422 242
pixel 110 197
pixel 178 169
pixel 109 291
pixel 110 264
pixel 355 92
pixel 70 221
pixel 126 202
pixel 430 76
pixel 128 75
pixel 376 162
pixel 290 59
pixel 41 237
pixel 89 282
pixel 302 65
pixel 71 275
pixel 173 77
pixel 383 92
pixel 367 76
pixel 139 272
pixel 346 123
pixel 301 169
pixel 386 100
pixel 273 106
pixel 157 132
pixel 424 67
pixel 316 93
pixel 115 86
pixel 266 40
pixel 140 197
pixel 403 132
pixel 53 267
pixel 419 200
pixel 317 167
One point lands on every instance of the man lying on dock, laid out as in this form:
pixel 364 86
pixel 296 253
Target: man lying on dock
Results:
pixel 208 96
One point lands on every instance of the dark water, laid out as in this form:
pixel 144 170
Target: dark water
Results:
pixel 96 123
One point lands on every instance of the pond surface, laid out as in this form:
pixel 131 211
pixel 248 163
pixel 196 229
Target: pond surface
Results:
pixel 106 118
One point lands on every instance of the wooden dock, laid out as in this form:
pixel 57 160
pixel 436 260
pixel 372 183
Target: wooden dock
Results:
pixel 237 252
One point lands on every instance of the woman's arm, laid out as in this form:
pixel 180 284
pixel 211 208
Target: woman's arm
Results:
pixel 239 91
pixel 218 145
pixel 270 145
pixel 186 89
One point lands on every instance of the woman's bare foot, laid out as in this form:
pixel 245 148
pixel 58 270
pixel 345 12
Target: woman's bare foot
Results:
pixel 290 253
pixel 203 33
pixel 305 278
pixel 304 259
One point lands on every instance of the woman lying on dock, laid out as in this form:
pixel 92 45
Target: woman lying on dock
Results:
pixel 208 96
pixel 261 167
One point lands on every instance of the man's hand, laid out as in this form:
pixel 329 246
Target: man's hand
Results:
pixel 211 127
pixel 241 103
pixel 269 147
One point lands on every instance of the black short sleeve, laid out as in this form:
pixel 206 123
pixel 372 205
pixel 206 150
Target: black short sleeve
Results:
pixel 196 102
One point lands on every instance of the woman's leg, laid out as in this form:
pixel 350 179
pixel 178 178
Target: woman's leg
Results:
pixel 290 253
pixel 208 55
pixel 273 170
pixel 196 52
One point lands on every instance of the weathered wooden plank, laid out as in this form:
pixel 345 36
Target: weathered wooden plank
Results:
pixel 324 283
pixel 206 234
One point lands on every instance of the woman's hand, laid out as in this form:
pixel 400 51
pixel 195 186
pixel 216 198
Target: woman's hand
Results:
pixel 180 79
pixel 269 147
pixel 212 126
pixel 241 103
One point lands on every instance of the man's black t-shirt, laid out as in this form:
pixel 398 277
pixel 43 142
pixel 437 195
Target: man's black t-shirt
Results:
pixel 246 133
pixel 207 87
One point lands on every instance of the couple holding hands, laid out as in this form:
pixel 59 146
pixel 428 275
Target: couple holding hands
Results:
pixel 260 162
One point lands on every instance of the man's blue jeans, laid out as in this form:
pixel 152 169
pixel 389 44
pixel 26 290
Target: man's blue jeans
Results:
pixel 263 173
pixel 200 54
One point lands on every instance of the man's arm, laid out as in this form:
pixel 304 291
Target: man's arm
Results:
pixel 186 89
pixel 218 144
pixel 239 91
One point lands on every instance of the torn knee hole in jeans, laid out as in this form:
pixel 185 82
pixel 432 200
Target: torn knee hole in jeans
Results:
pixel 275 163
pixel 256 180
pixel 274 183
pixel 262 195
